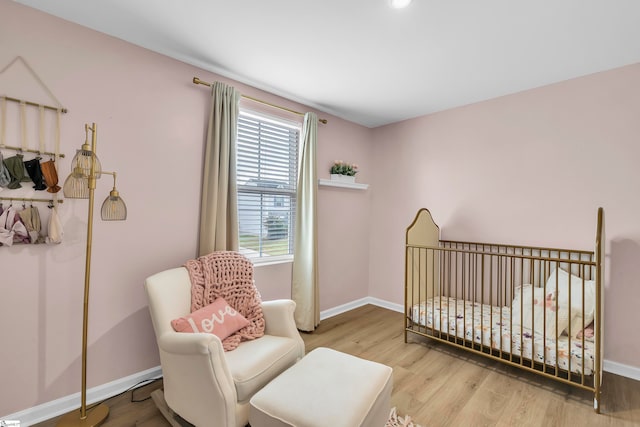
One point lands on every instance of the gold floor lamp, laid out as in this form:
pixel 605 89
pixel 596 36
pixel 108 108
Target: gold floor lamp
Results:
pixel 80 184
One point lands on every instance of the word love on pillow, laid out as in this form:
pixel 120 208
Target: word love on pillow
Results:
pixel 217 318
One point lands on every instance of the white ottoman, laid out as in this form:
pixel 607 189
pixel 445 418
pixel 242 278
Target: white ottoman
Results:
pixel 325 388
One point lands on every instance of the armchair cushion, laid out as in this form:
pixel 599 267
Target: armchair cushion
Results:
pixel 217 318
pixel 254 363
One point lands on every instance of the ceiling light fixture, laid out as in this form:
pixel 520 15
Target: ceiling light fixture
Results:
pixel 399 4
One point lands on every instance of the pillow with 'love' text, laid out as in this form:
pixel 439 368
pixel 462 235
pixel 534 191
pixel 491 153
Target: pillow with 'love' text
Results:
pixel 217 318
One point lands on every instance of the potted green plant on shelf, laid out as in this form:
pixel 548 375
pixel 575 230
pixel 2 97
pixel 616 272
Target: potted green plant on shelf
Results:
pixel 343 171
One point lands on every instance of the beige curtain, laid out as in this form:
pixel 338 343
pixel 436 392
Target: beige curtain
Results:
pixel 304 283
pixel 219 209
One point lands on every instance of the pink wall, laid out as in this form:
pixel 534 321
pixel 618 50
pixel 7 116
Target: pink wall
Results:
pixel 151 126
pixel 530 168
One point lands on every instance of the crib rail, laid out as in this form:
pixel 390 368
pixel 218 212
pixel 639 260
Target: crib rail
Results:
pixel 529 307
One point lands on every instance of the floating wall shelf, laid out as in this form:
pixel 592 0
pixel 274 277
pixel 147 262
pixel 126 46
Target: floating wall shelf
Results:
pixel 353 186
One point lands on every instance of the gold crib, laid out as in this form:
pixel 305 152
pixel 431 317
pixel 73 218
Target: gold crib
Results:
pixel 538 309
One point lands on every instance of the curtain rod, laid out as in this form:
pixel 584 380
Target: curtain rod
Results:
pixel 197 81
pixel 62 109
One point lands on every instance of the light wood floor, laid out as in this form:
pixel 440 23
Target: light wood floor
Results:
pixel 439 385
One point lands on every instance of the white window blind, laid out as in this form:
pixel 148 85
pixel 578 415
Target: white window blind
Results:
pixel 267 161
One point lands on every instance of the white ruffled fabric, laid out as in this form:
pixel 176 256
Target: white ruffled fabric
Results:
pixel 55 227
pixel 397 421
pixel 11 228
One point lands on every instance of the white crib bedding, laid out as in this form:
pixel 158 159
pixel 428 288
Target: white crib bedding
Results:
pixel 479 319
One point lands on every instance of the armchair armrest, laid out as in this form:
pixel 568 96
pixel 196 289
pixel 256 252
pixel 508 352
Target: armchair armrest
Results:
pixel 197 382
pixel 181 351
pixel 279 321
pixel 189 344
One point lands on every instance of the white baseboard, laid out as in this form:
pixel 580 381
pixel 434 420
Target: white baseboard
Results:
pixel 386 304
pixel 325 314
pixel 66 404
pixel 632 372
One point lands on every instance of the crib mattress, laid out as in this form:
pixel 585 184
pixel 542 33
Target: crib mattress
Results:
pixel 490 326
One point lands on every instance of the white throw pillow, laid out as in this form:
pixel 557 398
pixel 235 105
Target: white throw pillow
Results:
pixel 521 310
pixel 541 312
pixel 561 294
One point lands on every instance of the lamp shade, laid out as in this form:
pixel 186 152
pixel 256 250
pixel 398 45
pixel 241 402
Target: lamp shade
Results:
pixel 76 186
pixel 113 207
pixel 83 159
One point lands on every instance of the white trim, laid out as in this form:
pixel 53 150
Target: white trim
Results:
pixel 386 304
pixel 66 404
pixel 359 303
pixel 632 372
pixel 270 260
pixel 343 308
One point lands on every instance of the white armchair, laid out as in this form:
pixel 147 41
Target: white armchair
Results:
pixel 202 383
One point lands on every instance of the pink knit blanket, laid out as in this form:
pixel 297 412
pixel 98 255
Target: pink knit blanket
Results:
pixel 229 275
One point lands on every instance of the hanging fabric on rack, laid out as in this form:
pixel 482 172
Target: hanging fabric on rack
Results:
pixel 6 234
pixel 5 176
pixel 55 227
pixel 31 219
pixel 12 229
pixel 21 233
pixel 35 173
pixel 50 176
pixel 15 166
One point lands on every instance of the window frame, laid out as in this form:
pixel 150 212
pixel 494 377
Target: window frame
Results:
pixel 275 193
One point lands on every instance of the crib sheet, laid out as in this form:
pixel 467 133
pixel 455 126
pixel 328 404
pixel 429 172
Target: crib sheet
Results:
pixel 491 326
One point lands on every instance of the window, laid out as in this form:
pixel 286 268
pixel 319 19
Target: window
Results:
pixel 267 162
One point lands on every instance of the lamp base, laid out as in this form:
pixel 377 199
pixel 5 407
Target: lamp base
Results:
pixel 95 417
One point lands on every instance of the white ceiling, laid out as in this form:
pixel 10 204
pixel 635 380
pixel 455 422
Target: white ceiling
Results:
pixel 368 63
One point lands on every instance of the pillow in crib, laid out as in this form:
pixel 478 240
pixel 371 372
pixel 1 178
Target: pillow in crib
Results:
pixel 588 333
pixel 217 318
pixel 541 313
pixel 561 293
pixel 522 310
pixel 579 330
